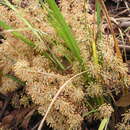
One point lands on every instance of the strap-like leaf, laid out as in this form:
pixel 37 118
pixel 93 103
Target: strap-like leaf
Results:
pixel 58 22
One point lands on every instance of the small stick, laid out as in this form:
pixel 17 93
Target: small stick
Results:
pixel 125 46
pixel 126 4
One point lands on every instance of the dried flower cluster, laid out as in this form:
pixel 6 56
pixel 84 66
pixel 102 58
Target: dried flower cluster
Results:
pixel 105 111
pixel 42 77
pixel 42 86
pixel 125 124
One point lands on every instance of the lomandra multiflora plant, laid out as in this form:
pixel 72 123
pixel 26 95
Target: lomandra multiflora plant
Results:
pixel 45 45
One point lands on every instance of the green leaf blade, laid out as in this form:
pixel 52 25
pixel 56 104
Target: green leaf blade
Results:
pixel 63 30
pixel 103 124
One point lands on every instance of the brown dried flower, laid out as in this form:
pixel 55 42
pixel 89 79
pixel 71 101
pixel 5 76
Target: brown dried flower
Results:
pixel 105 111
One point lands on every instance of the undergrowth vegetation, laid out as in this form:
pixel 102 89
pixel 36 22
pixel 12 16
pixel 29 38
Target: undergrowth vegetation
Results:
pixel 70 69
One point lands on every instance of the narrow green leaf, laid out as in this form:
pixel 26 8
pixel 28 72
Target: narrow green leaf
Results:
pixel 98 11
pixel 103 124
pixel 87 113
pixel 17 34
pixel 58 22
pixel 14 78
pixel 95 55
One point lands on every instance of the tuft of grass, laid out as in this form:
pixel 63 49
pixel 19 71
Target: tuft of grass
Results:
pixel 36 32
pixel 58 22
pixel 96 37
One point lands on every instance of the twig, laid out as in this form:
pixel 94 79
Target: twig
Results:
pixel 122 12
pixel 36 126
pixel 122 19
pixel 126 4
pixel 125 46
pixel 125 24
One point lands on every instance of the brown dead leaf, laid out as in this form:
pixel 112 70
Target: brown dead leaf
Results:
pixel 124 101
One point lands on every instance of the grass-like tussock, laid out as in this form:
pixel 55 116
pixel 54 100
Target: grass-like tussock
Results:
pixel 68 65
